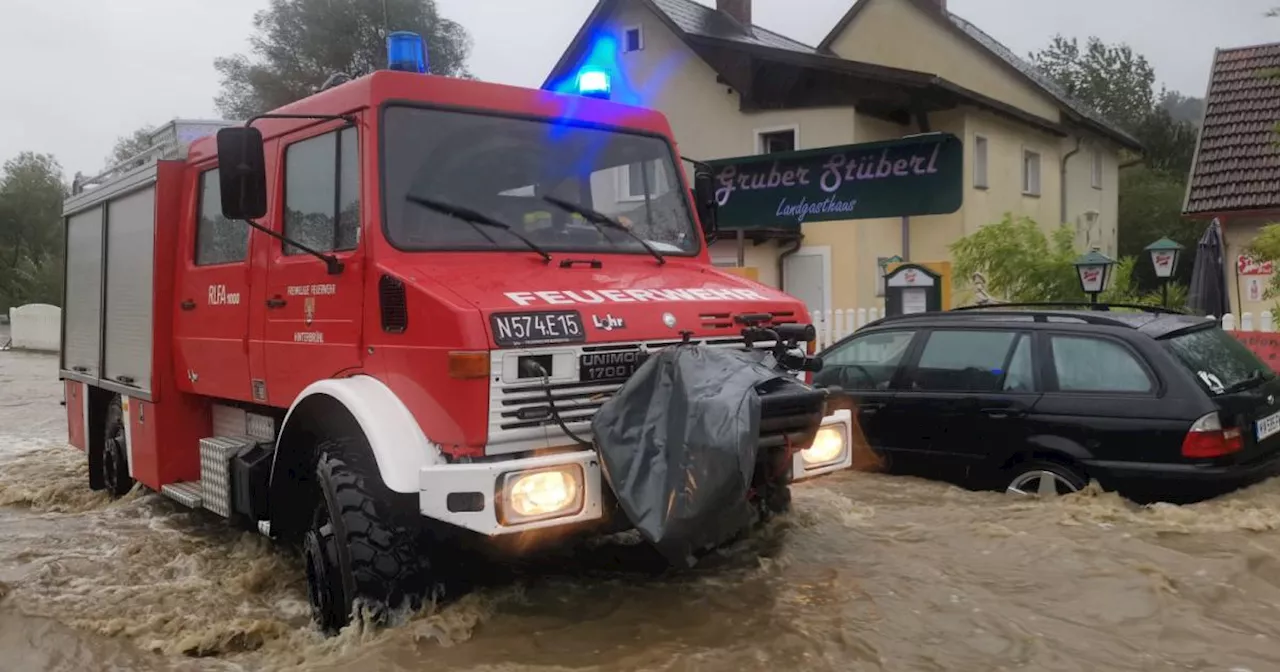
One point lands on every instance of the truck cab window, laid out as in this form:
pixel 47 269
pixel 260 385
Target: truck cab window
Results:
pixel 322 192
pixel 218 240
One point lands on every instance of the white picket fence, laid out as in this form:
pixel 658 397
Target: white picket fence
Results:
pixel 833 325
pixel 1265 322
pixel 36 326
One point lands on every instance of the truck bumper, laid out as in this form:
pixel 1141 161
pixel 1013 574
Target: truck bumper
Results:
pixel 512 496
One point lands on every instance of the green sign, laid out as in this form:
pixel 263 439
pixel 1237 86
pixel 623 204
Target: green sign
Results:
pixel 917 175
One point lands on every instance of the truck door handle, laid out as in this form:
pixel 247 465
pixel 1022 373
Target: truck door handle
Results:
pixel 275 302
pixel 188 305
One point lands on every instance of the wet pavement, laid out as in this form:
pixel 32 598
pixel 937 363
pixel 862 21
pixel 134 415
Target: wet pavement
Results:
pixel 870 572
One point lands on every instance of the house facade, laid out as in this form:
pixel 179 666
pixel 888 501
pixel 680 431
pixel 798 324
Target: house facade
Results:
pixel 1235 177
pixel 888 69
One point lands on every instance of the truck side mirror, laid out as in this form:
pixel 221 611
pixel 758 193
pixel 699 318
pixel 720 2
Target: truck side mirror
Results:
pixel 704 197
pixel 242 173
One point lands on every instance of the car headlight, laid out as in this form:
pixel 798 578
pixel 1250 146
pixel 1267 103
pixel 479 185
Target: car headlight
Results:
pixel 829 446
pixel 529 496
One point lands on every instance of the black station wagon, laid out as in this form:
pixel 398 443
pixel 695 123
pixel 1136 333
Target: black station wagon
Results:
pixel 1039 401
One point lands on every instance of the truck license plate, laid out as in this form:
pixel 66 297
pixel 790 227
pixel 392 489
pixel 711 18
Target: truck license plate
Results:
pixel 542 328
pixel 609 367
pixel 1268 425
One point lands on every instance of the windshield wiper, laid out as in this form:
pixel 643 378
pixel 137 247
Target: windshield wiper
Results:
pixel 1255 377
pixel 475 218
pixel 597 217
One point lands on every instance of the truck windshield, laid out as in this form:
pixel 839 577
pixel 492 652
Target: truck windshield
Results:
pixel 503 167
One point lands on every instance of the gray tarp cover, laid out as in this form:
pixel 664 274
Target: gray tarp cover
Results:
pixel 678 445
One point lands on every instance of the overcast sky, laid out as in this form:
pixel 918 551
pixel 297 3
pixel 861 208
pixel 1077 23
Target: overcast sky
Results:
pixel 80 73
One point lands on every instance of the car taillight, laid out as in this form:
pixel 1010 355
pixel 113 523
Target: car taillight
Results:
pixel 1207 438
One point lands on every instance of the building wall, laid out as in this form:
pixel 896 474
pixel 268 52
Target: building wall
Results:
pixel 897 34
pixel 1238 233
pixel 666 75
pixel 708 124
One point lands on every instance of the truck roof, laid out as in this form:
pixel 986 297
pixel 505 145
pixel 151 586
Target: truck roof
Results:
pixel 371 91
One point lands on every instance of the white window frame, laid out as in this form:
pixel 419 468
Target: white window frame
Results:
pixel 981 161
pixel 640 38
pixel 1028 188
pixel 823 251
pixel 624 184
pixel 759 134
pixel 1095 169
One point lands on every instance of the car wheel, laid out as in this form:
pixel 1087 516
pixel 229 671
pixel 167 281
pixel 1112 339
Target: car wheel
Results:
pixel 1044 479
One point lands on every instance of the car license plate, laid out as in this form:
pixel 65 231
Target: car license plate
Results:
pixel 609 367
pixel 542 328
pixel 1268 426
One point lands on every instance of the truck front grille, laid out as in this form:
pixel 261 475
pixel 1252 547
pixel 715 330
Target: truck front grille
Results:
pixel 520 417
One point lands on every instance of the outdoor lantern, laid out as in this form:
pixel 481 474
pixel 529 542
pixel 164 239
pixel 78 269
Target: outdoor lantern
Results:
pixel 1164 260
pixel 1094 269
pixel 1164 257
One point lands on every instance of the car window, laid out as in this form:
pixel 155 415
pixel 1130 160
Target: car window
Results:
pixel 1020 376
pixel 1218 360
pixel 964 361
pixel 1086 364
pixel 864 363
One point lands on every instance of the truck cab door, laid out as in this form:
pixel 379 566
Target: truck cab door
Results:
pixel 211 320
pixel 312 319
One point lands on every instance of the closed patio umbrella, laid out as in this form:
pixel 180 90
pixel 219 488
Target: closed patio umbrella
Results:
pixel 1208 293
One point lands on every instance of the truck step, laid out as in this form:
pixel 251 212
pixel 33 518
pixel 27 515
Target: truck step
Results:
pixel 186 493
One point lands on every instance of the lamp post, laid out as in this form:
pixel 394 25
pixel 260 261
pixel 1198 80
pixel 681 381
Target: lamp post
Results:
pixel 1165 254
pixel 1094 270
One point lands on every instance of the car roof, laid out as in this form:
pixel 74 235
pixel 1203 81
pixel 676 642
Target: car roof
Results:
pixel 1156 323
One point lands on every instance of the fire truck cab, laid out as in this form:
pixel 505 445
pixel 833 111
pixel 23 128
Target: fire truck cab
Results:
pixel 380 319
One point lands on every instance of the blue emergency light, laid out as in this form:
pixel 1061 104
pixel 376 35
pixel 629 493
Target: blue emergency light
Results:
pixel 594 83
pixel 406 52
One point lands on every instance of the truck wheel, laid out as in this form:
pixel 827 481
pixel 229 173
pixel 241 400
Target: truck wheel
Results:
pixel 114 468
pixel 365 545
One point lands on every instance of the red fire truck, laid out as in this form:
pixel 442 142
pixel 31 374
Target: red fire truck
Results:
pixel 377 322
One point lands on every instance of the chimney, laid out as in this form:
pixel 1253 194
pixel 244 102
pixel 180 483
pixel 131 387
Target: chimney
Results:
pixel 740 10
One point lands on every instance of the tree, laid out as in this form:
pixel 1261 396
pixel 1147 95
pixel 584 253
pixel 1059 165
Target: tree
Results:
pixel 298 44
pixel 129 146
pixel 31 194
pixel 1150 209
pixel 1022 264
pixel 1111 79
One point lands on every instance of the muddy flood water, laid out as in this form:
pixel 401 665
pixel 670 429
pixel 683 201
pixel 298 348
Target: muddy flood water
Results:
pixel 870 572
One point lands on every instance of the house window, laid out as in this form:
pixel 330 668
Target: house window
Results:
pixel 218 240
pixel 1096 174
pixel 632 39
pixel 979 162
pixel 772 142
pixel 322 192
pixel 636 177
pixel 1030 172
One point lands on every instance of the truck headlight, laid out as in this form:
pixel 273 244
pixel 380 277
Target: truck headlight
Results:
pixel 829 446
pixel 540 494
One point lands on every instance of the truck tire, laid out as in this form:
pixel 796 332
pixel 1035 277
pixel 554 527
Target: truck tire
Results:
pixel 113 468
pixel 366 545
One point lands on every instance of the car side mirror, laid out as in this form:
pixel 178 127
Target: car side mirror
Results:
pixel 242 173
pixel 704 198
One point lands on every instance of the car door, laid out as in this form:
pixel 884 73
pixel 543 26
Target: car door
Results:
pixel 212 318
pixel 313 319
pixel 965 396
pixel 1101 395
pixel 867 367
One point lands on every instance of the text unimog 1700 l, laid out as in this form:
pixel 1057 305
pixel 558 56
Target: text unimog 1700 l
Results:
pixel 380 320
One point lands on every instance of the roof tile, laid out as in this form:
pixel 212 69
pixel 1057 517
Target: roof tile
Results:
pixel 1237 164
